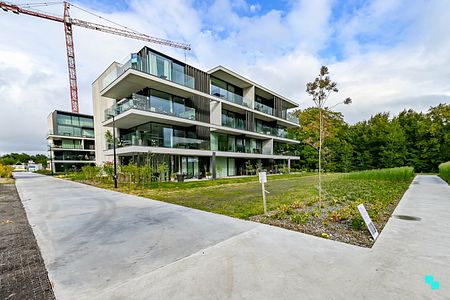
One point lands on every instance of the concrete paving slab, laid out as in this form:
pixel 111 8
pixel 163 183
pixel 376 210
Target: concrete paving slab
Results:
pixel 225 258
pixel 92 238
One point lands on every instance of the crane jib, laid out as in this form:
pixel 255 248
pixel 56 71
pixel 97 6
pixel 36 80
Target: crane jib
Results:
pixel 68 22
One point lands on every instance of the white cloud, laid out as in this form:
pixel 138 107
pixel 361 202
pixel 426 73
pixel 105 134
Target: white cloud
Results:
pixel 403 63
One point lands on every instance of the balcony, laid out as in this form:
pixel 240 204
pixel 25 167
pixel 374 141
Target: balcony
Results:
pixel 227 95
pixel 279 132
pixel 73 147
pixel 233 123
pixel 142 65
pixel 293 119
pixel 161 106
pixel 264 108
pixel 73 132
pixel 74 157
pixel 153 140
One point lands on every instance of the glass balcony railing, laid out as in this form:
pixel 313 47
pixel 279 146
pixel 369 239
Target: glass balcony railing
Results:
pixel 227 95
pixel 78 147
pixel 272 131
pixel 271 111
pixel 73 156
pixel 264 108
pixel 144 103
pixel 71 147
pixel 149 140
pixel 142 65
pixel 234 123
pixel 69 131
pixel 285 152
pixel 293 119
pixel 239 149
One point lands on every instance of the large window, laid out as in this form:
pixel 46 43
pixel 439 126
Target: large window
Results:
pixel 222 89
pixel 162 135
pixel 160 101
pixel 63 119
pixel 87 133
pixel 65 130
pixel 232 143
pixel 169 104
pixel 166 68
pixel 264 105
pixel 234 120
pixel 86 122
pixel 74 125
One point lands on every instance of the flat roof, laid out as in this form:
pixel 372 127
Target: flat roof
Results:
pixel 72 113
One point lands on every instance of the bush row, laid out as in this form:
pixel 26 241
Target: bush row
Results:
pixel 444 171
pixel 5 171
pixel 392 174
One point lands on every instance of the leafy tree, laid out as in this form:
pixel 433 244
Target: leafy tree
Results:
pixel 320 90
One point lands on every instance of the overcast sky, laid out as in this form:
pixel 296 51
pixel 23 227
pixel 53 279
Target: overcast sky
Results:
pixel 386 55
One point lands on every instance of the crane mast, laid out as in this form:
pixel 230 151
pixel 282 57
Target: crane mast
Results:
pixel 71 60
pixel 68 22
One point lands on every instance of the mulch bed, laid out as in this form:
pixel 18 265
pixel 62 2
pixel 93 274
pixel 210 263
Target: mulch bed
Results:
pixel 22 271
pixel 341 231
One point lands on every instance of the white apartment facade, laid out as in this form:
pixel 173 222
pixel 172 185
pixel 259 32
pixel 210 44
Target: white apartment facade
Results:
pixel 193 121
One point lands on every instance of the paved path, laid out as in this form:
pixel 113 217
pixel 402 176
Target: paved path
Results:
pixel 100 244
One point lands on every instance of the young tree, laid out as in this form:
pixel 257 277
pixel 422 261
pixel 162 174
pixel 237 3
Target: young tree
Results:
pixel 320 90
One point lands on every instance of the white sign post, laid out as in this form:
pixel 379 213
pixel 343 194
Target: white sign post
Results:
pixel 373 231
pixel 263 180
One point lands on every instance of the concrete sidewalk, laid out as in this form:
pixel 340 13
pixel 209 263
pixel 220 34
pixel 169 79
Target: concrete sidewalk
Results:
pixel 105 245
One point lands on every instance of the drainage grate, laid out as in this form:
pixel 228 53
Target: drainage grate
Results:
pixel 407 218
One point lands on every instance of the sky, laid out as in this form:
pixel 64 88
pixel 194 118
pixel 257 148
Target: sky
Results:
pixel 387 55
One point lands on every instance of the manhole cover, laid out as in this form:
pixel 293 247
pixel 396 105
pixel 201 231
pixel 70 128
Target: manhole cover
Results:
pixel 407 218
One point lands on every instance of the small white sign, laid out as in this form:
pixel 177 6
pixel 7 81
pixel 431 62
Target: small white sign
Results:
pixel 373 231
pixel 262 177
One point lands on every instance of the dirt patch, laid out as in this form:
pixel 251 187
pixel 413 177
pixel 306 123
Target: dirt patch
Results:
pixel 22 270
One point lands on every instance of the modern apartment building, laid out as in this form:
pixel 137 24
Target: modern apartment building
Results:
pixel 71 140
pixel 196 122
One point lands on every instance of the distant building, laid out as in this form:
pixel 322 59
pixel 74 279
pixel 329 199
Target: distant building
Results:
pixel 70 140
pixel 19 167
pixel 33 167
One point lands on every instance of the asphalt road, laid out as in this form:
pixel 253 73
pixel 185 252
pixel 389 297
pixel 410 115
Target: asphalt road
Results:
pixel 99 244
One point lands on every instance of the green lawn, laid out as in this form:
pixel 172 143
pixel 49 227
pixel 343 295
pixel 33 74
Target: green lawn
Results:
pixel 293 199
pixel 241 197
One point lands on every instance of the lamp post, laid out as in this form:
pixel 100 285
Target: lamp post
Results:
pixel 114 150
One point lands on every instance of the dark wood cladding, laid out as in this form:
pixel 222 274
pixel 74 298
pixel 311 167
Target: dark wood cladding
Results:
pixel 250 120
pixel 202 132
pixel 279 106
pixel 202 84
pixel 202 109
pixel 201 79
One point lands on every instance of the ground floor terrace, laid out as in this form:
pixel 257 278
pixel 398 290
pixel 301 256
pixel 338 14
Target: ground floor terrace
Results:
pixel 70 166
pixel 203 164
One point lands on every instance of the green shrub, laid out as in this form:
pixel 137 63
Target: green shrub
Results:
pixel 392 174
pixel 444 171
pixel 44 172
pixel 90 172
pixel 300 218
pixel 357 223
pixel 5 171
